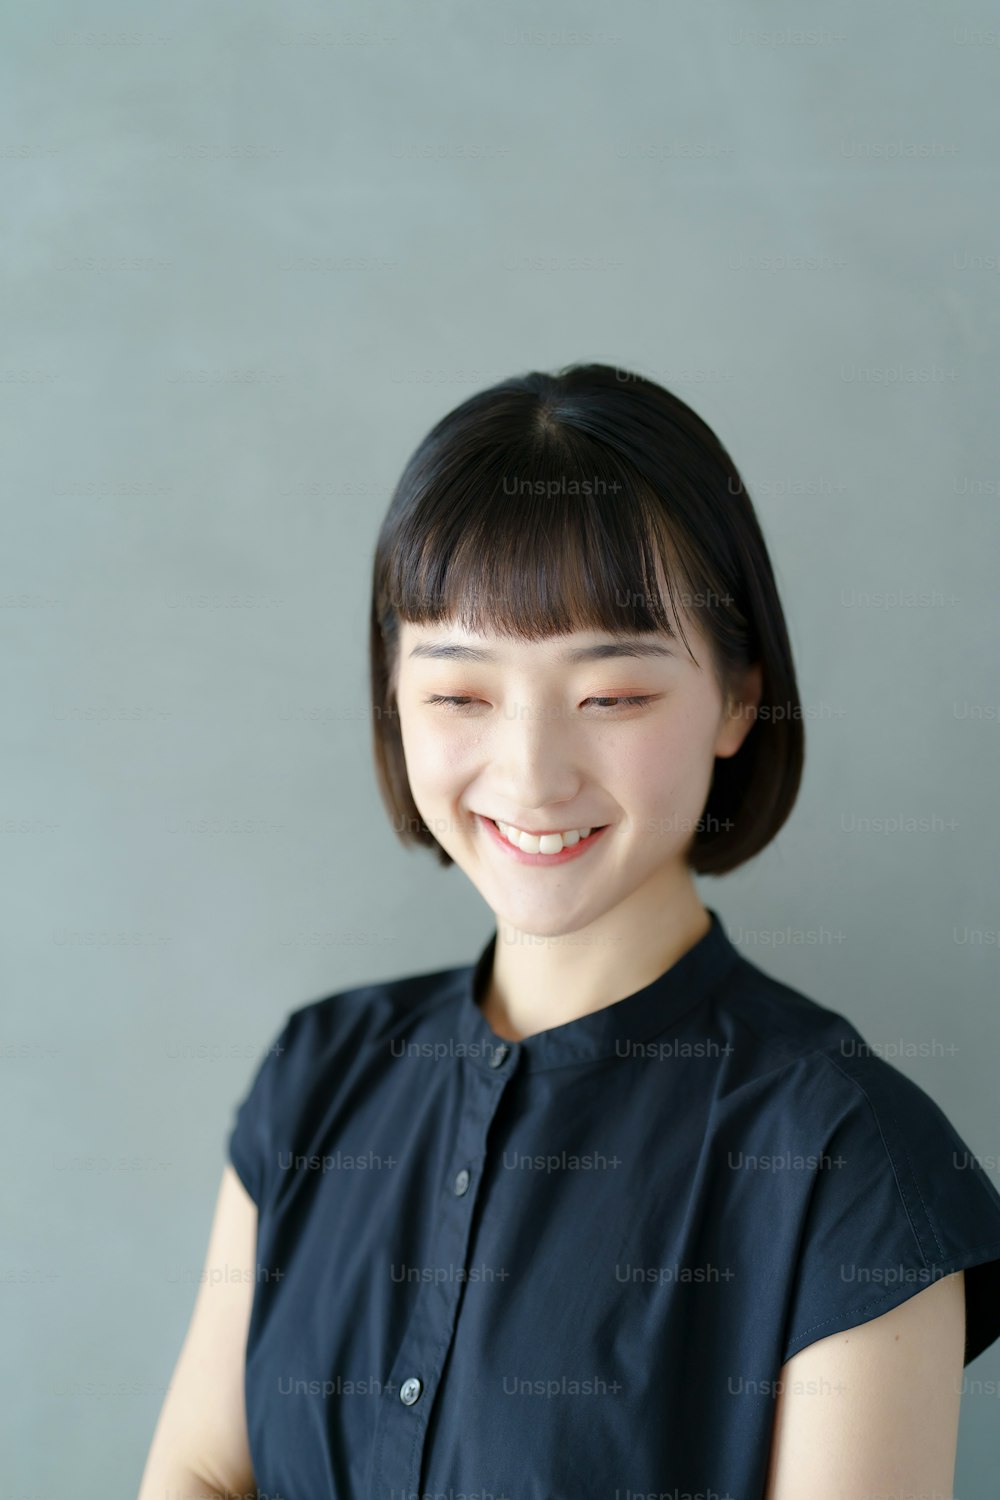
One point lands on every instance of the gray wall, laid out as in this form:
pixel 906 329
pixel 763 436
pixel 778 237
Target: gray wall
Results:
pixel 248 260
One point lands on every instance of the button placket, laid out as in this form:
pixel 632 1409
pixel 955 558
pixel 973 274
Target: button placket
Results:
pixel 402 1420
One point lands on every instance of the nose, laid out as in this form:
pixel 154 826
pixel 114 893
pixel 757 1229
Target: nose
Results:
pixel 530 758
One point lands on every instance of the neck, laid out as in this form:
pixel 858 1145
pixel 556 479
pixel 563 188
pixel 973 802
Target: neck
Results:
pixel 541 982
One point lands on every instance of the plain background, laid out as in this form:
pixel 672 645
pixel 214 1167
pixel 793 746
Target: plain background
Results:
pixel 251 253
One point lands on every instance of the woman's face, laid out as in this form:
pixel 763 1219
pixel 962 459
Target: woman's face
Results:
pixel 543 741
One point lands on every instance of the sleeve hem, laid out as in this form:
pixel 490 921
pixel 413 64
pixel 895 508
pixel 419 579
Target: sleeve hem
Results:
pixel 865 1312
pixel 242 1171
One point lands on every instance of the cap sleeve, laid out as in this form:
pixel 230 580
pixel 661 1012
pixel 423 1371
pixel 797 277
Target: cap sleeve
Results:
pixel 898 1201
pixel 250 1141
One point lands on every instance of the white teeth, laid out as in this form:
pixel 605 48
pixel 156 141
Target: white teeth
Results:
pixel 541 843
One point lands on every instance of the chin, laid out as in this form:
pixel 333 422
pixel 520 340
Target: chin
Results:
pixel 537 923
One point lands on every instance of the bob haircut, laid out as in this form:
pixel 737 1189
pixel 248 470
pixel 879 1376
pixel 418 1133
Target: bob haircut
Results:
pixel 554 502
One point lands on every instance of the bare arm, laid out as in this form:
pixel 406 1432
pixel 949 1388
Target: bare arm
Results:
pixel 874 1410
pixel 200 1446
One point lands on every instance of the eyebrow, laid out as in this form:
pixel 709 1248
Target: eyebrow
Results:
pixel 623 646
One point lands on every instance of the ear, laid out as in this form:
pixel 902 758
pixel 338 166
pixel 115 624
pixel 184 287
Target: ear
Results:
pixel 740 712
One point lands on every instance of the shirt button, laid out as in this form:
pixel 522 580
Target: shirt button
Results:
pixel 499 1053
pixel 461 1183
pixel 410 1390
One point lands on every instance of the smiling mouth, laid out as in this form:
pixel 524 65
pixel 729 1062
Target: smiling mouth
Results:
pixel 545 843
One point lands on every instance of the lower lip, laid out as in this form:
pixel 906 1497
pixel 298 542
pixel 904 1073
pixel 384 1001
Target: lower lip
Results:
pixel 564 855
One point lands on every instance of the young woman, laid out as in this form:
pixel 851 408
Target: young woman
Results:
pixel 608 1212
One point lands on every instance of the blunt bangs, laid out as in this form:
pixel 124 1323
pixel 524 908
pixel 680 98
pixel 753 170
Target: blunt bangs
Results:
pixel 589 500
pixel 533 552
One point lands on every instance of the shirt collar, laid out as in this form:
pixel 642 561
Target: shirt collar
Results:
pixel 604 1032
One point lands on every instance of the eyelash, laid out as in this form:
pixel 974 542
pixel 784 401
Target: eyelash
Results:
pixel 634 700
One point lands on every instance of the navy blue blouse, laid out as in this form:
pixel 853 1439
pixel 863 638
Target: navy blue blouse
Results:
pixel 575 1264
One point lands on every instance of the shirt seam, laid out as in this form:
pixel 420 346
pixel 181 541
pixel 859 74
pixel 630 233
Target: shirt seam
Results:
pixel 878 1301
pixel 904 1154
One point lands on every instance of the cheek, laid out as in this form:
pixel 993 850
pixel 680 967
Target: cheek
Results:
pixel 665 757
pixel 435 761
pixel 665 772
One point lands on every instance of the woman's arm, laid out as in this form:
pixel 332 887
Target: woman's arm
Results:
pixel 200 1445
pixel 874 1410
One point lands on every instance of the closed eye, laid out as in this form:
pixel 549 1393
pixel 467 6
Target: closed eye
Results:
pixel 450 702
pixel 631 700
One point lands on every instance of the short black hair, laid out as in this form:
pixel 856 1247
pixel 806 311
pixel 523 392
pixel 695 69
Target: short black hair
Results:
pixel 557 502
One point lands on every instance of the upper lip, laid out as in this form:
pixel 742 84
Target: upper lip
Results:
pixel 537 832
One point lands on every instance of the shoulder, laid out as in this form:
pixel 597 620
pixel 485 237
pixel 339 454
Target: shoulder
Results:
pixel 775 1022
pixel 367 1013
pixel 894 1198
pixel 779 1028
pixel 320 1050
pixel 780 1033
pixel 839 1088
